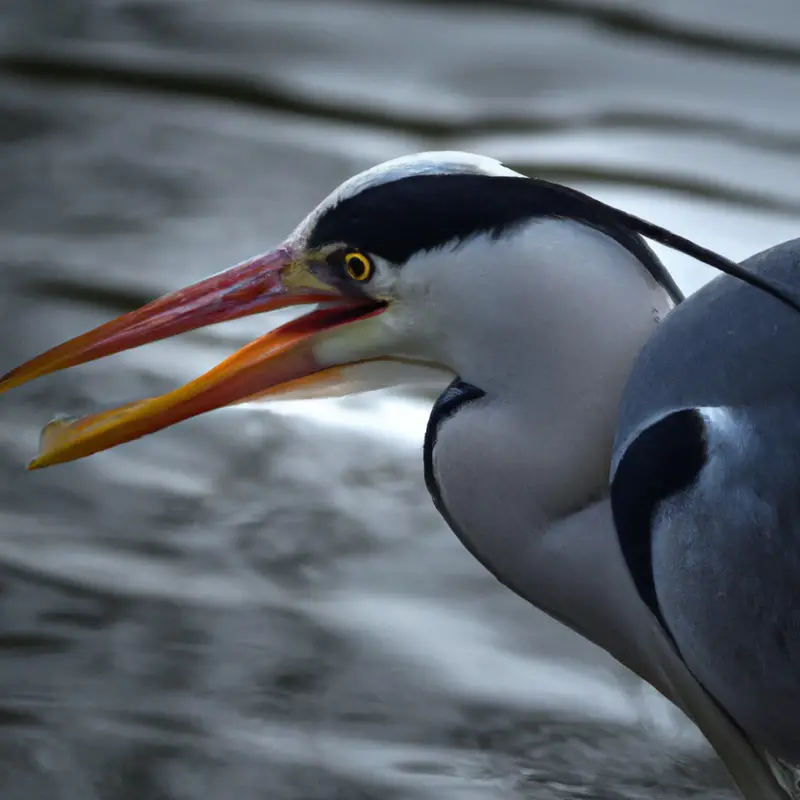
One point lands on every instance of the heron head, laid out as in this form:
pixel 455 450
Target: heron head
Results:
pixel 372 324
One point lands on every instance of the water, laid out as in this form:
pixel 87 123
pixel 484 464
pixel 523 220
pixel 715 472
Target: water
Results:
pixel 264 604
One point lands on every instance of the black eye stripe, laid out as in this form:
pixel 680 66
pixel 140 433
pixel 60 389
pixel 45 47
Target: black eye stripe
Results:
pixel 420 213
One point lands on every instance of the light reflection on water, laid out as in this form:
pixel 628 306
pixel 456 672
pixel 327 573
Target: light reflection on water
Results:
pixel 264 603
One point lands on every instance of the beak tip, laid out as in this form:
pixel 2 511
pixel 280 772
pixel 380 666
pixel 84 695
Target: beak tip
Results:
pixel 15 378
pixel 51 441
pixel 39 461
pixel 6 382
pixel 44 459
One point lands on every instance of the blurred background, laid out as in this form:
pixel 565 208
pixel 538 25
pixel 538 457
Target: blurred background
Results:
pixel 263 604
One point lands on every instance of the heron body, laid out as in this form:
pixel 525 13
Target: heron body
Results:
pixel 628 468
pixel 713 400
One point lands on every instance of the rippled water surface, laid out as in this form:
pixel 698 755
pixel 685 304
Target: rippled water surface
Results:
pixel 263 604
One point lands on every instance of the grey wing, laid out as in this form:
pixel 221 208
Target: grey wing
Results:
pixel 727 346
pixel 704 482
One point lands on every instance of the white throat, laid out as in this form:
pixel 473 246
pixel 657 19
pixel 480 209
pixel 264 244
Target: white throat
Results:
pixel 570 309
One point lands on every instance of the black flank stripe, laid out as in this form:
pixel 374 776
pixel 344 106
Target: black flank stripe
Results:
pixel 663 460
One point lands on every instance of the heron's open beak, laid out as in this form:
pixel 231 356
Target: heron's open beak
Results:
pixel 283 360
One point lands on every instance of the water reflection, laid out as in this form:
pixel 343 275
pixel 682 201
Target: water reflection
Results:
pixel 256 602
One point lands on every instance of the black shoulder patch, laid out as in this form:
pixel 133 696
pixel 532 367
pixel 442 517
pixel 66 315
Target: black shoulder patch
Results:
pixel 664 459
pixel 420 213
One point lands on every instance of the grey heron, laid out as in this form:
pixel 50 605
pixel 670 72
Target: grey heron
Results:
pixel 628 468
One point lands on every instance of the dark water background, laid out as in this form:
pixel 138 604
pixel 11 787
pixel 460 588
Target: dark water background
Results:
pixel 264 604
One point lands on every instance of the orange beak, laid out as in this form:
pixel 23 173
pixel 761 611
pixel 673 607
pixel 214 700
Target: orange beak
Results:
pixel 282 361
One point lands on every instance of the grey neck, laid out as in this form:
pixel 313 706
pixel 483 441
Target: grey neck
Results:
pixel 523 470
pixel 576 309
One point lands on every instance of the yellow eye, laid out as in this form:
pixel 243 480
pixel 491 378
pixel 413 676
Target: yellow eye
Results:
pixel 358 266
